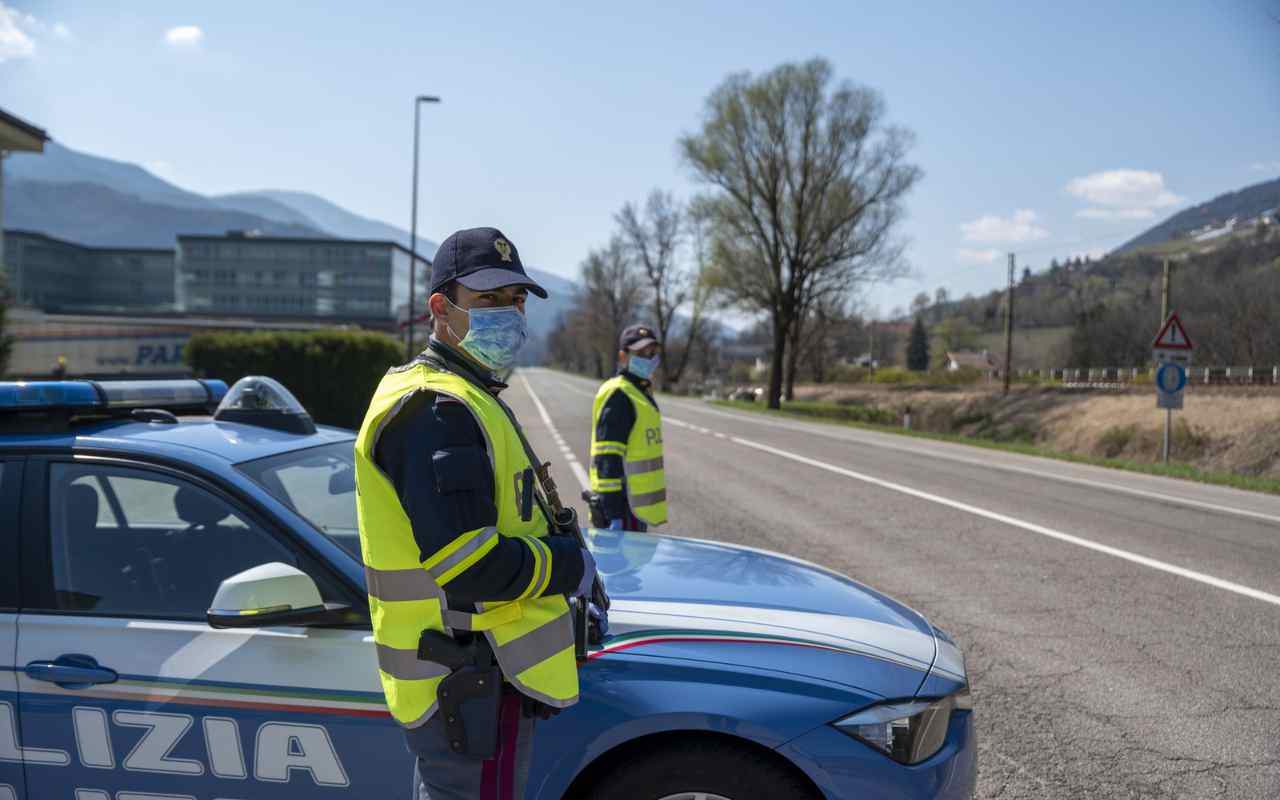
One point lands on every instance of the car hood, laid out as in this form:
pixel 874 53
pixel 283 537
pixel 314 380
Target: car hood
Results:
pixel 718 602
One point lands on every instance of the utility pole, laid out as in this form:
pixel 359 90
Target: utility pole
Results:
pixel 872 347
pixel 1164 292
pixel 1164 317
pixel 1008 327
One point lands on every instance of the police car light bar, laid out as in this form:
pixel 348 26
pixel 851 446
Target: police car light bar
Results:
pixel 107 396
pixel 191 393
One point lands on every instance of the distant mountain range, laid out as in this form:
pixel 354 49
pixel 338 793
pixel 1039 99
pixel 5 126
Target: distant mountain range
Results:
pixel 1243 205
pixel 100 201
pixel 97 214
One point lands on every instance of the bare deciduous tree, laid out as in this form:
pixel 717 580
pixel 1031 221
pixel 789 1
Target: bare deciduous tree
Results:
pixel 806 180
pixel 654 238
pixel 611 293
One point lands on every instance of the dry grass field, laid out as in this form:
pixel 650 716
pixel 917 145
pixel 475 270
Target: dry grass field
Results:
pixel 1228 430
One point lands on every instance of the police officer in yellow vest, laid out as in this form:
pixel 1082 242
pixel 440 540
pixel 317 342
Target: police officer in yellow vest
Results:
pixel 626 438
pixel 461 569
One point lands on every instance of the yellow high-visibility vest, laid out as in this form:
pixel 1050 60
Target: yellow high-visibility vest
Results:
pixel 646 479
pixel 531 636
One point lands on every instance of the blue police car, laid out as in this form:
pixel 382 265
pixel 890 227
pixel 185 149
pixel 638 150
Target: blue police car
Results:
pixel 183 617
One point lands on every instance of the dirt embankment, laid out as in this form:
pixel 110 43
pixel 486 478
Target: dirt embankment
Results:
pixel 1229 430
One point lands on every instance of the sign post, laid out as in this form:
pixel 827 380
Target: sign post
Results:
pixel 1172 352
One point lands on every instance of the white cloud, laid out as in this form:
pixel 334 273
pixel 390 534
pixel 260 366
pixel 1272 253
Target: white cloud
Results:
pixel 967 256
pixel 1265 166
pixel 1122 194
pixel 20 33
pixel 184 36
pixel 993 229
pixel 14 42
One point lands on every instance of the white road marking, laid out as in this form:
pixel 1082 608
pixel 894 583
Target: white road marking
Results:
pixel 940 452
pixel 1004 519
pixel 574 465
pixel 1031 527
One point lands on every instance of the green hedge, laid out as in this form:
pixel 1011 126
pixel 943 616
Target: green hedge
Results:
pixel 332 373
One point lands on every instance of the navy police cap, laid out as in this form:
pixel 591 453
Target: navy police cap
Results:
pixel 637 337
pixel 480 259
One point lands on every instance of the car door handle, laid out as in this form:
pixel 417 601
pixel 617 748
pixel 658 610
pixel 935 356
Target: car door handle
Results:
pixel 71 671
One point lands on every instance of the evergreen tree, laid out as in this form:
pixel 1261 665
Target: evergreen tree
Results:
pixel 918 347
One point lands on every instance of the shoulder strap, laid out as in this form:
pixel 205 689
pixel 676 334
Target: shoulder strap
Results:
pixel 549 497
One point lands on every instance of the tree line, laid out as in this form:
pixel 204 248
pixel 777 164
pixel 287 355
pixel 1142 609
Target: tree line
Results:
pixel 653 270
pixel 1226 296
pixel 802 182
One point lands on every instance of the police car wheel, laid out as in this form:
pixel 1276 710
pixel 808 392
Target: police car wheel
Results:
pixel 700 769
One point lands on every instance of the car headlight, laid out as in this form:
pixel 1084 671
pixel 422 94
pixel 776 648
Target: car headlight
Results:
pixel 907 731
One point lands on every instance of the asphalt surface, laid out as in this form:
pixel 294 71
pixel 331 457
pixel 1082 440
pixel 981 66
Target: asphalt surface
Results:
pixel 1122 632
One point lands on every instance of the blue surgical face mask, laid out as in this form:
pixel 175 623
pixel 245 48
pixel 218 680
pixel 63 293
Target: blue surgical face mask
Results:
pixel 642 367
pixel 495 335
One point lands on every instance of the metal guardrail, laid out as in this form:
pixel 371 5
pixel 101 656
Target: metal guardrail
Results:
pixel 1123 377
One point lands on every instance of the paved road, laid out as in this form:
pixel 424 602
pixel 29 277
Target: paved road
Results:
pixel 1122 632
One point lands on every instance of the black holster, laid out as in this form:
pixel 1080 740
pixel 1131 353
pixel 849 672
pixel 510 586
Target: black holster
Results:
pixel 470 697
pixel 595 508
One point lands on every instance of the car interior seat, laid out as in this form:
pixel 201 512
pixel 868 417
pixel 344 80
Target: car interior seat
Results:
pixel 93 564
pixel 220 542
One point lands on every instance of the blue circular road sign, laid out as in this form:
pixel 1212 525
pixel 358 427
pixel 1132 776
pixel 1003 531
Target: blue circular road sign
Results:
pixel 1170 373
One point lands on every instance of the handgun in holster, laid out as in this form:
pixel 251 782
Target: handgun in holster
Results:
pixel 470 696
pixel 595 508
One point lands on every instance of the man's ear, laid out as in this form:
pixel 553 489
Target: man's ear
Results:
pixel 438 305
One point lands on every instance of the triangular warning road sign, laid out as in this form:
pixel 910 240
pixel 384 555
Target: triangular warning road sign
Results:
pixel 1172 336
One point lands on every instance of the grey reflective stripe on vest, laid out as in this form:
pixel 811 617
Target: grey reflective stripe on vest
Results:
pixel 458 556
pixel 457 620
pixel 533 648
pixel 649 498
pixel 644 465
pixel 553 637
pixel 392 585
pixel 406 666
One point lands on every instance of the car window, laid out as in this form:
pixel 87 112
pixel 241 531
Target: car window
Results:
pixel 131 542
pixel 318 483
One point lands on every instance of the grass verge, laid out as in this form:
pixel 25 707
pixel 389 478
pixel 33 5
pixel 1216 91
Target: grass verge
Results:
pixel 838 416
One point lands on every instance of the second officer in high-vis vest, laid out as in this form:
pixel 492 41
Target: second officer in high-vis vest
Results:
pixel 462 570
pixel 627 473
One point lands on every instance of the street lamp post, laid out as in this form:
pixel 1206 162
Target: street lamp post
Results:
pixel 413 223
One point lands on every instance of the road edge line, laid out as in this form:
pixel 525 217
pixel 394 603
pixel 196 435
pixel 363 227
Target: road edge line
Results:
pixel 799 426
pixel 1088 544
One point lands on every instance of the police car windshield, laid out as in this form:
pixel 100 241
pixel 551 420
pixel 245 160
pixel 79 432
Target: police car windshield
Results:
pixel 318 483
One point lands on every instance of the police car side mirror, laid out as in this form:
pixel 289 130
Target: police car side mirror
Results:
pixel 267 595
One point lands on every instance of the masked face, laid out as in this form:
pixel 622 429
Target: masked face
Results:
pixel 494 335
pixel 642 367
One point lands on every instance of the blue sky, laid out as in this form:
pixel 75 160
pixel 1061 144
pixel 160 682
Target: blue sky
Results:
pixel 1049 129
